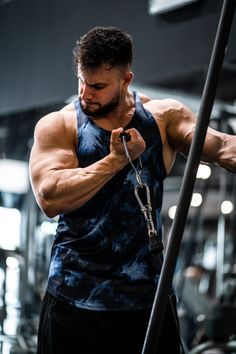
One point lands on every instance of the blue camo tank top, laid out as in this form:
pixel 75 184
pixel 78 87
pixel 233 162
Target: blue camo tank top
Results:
pixel 100 258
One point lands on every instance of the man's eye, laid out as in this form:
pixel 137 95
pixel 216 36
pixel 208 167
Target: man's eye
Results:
pixel 98 87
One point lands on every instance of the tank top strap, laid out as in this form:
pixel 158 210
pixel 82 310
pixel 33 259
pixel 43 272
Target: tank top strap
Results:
pixel 79 113
pixel 139 105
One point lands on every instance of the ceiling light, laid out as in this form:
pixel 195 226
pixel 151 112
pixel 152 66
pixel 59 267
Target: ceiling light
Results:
pixel 10 221
pixel 172 212
pixel 204 171
pixel 226 207
pixel 196 200
pixel 14 176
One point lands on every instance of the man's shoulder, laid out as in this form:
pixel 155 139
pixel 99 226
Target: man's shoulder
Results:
pixel 164 108
pixel 68 109
pixel 164 104
pixel 144 98
pixel 58 120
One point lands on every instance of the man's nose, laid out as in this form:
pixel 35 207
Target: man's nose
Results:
pixel 86 92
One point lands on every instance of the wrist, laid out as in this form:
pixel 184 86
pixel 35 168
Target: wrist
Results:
pixel 118 160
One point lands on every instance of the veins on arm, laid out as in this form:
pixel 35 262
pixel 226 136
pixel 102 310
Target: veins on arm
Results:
pixel 180 126
pixel 219 147
pixel 59 184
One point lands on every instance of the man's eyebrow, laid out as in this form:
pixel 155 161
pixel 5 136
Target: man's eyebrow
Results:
pixel 92 84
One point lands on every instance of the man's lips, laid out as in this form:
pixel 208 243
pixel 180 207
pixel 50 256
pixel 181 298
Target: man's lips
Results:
pixel 88 103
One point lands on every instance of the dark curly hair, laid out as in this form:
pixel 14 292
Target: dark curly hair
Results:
pixel 103 45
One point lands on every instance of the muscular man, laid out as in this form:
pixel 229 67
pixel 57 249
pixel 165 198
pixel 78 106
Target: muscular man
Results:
pixel 103 275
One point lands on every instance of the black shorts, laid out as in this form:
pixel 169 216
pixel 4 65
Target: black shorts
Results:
pixel 64 329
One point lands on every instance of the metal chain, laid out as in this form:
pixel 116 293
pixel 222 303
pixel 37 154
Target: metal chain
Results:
pixel 146 209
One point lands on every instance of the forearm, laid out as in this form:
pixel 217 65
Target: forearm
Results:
pixel 221 149
pixel 227 155
pixel 64 190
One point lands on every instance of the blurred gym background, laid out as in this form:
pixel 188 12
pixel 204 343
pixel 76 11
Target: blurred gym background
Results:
pixel 173 40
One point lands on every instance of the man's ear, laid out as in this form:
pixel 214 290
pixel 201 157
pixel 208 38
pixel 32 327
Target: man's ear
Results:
pixel 128 77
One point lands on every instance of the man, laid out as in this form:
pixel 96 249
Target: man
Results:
pixel 103 274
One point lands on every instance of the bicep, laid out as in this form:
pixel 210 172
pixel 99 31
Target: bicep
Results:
pixel 52 150
pixel 180 127
pixel 45 160
pixel 183 131
pixel 179 124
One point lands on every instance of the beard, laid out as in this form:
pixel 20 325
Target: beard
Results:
pixel 101 110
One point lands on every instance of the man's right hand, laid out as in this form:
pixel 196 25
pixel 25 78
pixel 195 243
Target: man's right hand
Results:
pixel 136 145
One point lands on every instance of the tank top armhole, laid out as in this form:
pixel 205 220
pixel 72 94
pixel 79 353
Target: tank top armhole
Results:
pixel 139 106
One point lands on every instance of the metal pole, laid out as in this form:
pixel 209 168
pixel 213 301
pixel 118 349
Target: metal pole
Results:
pixel 176 232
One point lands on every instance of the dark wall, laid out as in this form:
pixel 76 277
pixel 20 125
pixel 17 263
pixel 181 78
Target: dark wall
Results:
pixel 37 37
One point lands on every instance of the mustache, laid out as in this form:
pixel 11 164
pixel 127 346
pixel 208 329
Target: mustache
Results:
pixel 88 101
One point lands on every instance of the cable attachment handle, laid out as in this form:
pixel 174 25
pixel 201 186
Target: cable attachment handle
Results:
pixel 155 243
pixel 125 137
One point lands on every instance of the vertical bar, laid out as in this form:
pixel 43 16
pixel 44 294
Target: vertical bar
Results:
pixel 176 232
